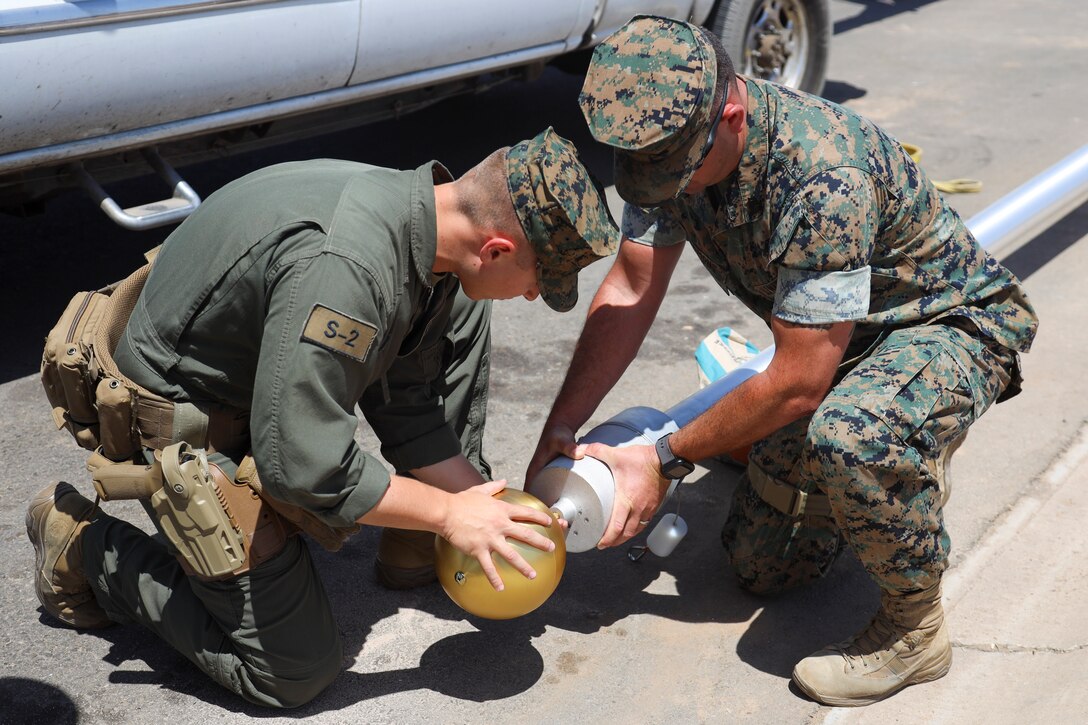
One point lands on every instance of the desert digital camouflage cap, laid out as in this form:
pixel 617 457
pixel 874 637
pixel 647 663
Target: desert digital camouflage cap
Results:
pixel 649 93
pixel 562 210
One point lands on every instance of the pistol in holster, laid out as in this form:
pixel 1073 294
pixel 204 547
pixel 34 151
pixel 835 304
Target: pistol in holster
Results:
pixel 219 528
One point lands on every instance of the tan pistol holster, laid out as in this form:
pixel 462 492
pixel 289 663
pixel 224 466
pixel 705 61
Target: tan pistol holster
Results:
pixel 220 528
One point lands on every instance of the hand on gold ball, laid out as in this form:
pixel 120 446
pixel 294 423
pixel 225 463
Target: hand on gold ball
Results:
pixel 466 583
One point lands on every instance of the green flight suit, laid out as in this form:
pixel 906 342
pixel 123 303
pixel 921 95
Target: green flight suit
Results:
pixel 296 293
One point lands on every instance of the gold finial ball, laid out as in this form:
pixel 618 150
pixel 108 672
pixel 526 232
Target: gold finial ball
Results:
pixel 467 585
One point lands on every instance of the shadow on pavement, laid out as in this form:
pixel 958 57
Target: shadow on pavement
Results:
pixel 873 11
pixel 842 92
pixel 600 590
pixel 1046 247
pixel 25 701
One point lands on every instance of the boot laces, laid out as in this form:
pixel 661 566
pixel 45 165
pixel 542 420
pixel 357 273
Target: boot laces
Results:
pixel 872 642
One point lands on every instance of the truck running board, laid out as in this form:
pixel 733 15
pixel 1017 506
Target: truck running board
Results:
pixel 152 214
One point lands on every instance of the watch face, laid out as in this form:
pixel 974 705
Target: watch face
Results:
pixel 672 466
pixel 678 469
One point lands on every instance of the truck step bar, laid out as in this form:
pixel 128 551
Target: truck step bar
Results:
pixel 152 214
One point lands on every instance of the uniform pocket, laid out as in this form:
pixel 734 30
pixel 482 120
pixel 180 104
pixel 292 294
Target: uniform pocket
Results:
pixel 916 386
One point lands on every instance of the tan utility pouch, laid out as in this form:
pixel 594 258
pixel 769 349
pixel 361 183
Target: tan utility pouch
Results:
pixel 69 371
pixel 89 397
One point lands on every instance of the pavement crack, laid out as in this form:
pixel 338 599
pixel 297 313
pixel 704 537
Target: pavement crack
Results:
pixel 1017 648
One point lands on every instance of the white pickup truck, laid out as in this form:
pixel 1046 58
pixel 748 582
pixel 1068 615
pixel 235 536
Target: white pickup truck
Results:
pixel 95 90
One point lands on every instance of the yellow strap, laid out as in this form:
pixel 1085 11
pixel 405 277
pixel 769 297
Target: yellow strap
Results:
pixel 952 186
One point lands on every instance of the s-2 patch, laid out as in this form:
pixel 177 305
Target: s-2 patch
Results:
pixel 338 332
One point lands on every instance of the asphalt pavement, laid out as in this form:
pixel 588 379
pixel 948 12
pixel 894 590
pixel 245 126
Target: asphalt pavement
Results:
pixel 991 90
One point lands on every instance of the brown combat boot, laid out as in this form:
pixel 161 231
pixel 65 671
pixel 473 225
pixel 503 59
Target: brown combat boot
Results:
pixel 905 644
pixel 55 520
pixel 405 559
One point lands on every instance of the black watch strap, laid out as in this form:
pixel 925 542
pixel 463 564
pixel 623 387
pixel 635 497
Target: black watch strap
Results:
pixel 672 466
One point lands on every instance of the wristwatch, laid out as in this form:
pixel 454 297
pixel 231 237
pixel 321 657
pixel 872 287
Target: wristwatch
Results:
pixel 672 466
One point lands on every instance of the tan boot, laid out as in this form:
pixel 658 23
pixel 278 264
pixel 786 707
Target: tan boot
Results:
pixel 405 559
pixel 54 522
pixel 905 644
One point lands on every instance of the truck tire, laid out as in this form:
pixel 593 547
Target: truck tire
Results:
pixel 785 41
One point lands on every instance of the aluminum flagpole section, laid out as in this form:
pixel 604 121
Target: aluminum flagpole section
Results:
pixel 1035 205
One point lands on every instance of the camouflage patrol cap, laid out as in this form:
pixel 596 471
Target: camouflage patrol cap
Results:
pixel 561 207
pixel 649 93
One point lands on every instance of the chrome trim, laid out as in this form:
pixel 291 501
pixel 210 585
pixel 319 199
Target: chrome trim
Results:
pixel 127 16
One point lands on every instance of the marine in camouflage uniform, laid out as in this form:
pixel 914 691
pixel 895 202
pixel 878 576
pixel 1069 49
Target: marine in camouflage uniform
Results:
pixel 822 221
pixel 226 318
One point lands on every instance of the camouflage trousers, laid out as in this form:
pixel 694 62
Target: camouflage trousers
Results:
pixel 872 447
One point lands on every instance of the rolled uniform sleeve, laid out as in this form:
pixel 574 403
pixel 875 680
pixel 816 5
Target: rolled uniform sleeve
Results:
pixel 656 227
pixel 405 408
pixel 822 249
pixel 303 419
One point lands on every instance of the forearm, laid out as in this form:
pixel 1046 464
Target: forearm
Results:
pixel 453 474
pixel 621 313
pixel 613 333
pixel 423 502
pixel 410 504
pixel 793 386
pixel 474 521
pixel 752 411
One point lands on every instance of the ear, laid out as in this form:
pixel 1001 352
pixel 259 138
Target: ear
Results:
pixel 734 115
pixel 495 248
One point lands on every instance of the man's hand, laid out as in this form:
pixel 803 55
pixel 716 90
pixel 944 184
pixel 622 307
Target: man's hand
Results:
pixel 479 524
pixel 555 440
pixel 640 488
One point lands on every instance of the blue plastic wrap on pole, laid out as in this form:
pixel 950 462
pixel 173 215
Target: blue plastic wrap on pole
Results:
pixel 695 405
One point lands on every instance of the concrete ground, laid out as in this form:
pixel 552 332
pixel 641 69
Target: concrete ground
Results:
pixel 991 89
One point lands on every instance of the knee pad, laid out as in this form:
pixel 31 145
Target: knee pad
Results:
pixel 771 552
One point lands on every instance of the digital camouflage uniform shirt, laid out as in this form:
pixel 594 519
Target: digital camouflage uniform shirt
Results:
pixel 827 219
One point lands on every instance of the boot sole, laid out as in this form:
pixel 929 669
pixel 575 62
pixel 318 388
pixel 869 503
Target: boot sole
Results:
pixel 935 671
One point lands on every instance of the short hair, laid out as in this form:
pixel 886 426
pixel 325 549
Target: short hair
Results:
pixel 484 197
pixel 726 76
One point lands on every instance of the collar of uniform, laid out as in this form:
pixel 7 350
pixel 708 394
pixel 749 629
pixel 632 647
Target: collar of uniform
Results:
pixel 424 235
pixel 743 191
